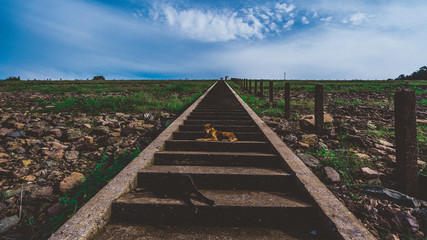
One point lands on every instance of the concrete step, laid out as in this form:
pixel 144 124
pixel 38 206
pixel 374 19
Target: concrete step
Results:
pixel 218 113
pixel 226 128
pixel 232 208
pixel 219 109
pixel 217 146
pixel 219 122
pixel 241 159
pixel 242 136
pixel 217 117
pixel 212 177
pixel 122 231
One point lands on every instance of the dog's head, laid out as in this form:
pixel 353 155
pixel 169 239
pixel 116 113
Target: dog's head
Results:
pixel 208 127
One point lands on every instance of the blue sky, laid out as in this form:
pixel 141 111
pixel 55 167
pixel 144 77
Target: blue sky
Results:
pixel 136 39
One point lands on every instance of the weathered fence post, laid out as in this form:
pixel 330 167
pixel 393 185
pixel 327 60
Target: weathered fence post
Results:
pixel 261 89
pixel 255 87
pixel 406 142
pixel 318 108
pixel 287 100
pixel 271 91
pixel 250 86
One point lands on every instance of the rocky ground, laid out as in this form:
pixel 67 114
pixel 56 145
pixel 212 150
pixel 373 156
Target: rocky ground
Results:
pixel 361 132
pixel 43 154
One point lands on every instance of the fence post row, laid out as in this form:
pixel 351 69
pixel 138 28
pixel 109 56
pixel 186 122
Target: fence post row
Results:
pixel 250 86
pixel 406 142
pixel 287 100
pixel 271 91
pixel 318 108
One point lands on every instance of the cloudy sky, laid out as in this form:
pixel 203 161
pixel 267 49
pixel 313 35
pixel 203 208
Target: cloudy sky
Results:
pixel 138 39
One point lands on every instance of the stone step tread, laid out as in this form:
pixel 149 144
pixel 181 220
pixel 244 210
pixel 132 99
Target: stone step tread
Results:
pixel 224 199
pixel 218 142
pixel 214 170
pixel 218 153
pixel 161 232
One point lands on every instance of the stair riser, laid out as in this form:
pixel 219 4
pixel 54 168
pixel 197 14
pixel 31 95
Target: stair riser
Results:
pixel 217 147
pixel 228 182
pixel 200 128
pixel 220 122
pixel 212 113
pixel 241 136
pixel 192 117
pixel 212 216
pixel 215 160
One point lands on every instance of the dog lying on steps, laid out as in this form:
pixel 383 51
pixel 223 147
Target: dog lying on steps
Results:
pixel 216 135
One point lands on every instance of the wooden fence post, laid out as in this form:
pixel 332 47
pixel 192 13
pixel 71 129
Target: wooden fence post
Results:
pixel 287 100
pixel 318 108
pixel 261 89
pixel 271 91
pixel 255 87
pixel 250 86
pixel 406 142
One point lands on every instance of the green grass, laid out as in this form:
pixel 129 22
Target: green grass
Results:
pixel 344 162
pixel 75 198
pixel 172 96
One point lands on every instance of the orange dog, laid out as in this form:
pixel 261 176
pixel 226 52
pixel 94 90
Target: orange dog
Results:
pixel 215 134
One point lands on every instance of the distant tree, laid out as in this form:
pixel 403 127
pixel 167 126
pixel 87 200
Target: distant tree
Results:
pixel 13 79
pixel 421 74
pixel 98 78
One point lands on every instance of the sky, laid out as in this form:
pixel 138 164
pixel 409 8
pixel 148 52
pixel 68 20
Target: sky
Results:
pixel 162 39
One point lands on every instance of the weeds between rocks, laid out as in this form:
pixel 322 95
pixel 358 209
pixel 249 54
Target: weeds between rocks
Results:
pixel 48 132
pixel 358 145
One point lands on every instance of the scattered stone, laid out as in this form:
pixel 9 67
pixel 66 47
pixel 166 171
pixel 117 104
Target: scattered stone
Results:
pixel 29 178
pixel 87 125
pixel 56 155
pixel 390 158
pixel 56 132
pixel 303 145
pixel 71 155
pixel 19 126
pixel 309 160
pixel 4 155
pixel 165 115
pixel 55 210
pixel 321 145
pixel 310 139
pixel 88 139
pixel 2 160
pixel 4 131
pixel 362 156
pixel 42 193
pixel 308 121
pixel 8 223
pixel 370 173
pixel 331 175
pixel 115 134
pixel 377 151
pixel 72 135
pixel 35 132
pixel 71 181
pixel 356 140
pixel 291 138
pixel 404 220
pixel 422 163
pixel 392 237
pixel 394 196
pixel 16 134
pixel 370 125
pixel 148 127
pixel 101 130
pixel 385 143
pixel 148 116
pixel 26 163
pixel 57 145
pixel 387 149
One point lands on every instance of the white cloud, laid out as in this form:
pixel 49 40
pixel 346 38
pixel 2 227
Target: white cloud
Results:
pixel 304 20
pixel 356 19
pixel 327 20
pixel 211 26
pixel 288 24
pixel 284 8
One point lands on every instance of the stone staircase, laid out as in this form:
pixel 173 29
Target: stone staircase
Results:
pixel 245 178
